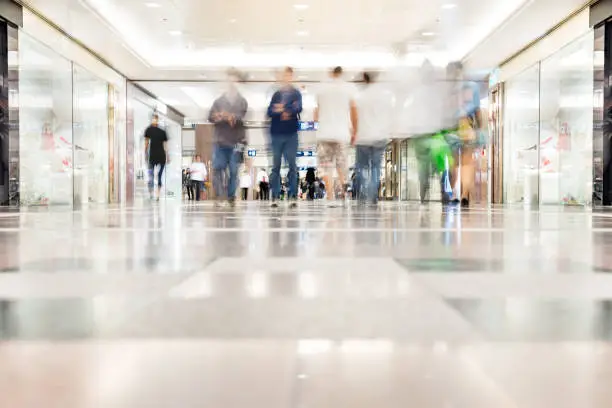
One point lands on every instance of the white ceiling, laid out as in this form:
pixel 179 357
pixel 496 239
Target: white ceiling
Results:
pixel 177 39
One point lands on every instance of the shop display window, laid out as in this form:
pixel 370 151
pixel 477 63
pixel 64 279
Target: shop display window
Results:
pixel 521 138
pixel 566 124
pixel 90 130
pixel 45 126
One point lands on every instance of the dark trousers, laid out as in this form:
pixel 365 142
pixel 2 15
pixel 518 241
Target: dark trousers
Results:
pixel 160 174
pixel 284 146
pixel 264 191
pixel 196 189
pixel 311 191
pixel 189 188
pixel 245 193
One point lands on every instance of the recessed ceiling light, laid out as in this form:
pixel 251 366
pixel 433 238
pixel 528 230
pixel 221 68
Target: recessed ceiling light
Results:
pixel 449 6
pixel 428 34
pixel 301 6
pixel 175 32
pixel 153 5
pixel 233 20
pixel 302 33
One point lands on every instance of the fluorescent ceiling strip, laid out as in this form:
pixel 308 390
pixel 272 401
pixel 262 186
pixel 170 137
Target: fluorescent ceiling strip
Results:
pixel 220 58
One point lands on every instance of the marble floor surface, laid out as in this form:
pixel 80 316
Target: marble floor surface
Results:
pixel 168 305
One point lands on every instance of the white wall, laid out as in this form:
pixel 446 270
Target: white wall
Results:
pixel 570 31
pixel 188 136
pixel 65 47
pixel 531 21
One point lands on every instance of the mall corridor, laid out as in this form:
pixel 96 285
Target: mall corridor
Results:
pixel 305 204
pixel 165 305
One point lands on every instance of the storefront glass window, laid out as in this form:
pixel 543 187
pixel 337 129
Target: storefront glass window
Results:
pixel 566 124
pixel 521 137
pixel 45 126
pixel 173 178
pixel 91 138
pixel 142 119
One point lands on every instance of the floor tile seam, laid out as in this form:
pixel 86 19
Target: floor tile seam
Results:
pixel 439 298
pixel 158 298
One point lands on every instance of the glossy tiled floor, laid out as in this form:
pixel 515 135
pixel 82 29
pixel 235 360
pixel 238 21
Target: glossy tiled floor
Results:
pixel 170 306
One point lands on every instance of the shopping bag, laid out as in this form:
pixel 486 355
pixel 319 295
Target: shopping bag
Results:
pixel 441 153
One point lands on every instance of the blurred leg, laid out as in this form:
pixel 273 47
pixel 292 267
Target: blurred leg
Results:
pixel 362 164
pixel 340 156
pixel 376 158
pixel 219 166
pixel 277 157
pixel 422 151
pixel 198 189
pixel 160 177
pixel 151 184
pixel 468 172
pixel 234 163
pixel 290 152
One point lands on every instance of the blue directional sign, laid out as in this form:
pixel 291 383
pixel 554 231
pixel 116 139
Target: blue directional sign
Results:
pixel 252 152
pixel 306 126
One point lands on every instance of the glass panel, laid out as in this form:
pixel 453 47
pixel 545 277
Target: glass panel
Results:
pixel 45 126
pixel 521 130
pixel 404 170
pixel 566 124
pixel 173 179
pixel 13 101
pixel 142 119
pixel 91 145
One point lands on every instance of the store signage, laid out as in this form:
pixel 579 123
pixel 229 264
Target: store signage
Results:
pixel 306 126
pixel 252 152
pixel 494 78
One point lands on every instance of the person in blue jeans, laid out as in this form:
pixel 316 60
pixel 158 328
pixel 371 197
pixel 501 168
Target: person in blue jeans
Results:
pixel 284 112
pixel 375 113
pixel 227 113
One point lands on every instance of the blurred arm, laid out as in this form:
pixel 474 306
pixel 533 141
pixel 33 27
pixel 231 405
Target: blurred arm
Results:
pixel 147 141
pixel 354 120
pixel 296 107
pixel 272 112
pixel 214 114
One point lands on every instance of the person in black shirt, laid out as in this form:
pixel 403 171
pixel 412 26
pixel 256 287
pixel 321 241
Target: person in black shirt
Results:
pixel 156 149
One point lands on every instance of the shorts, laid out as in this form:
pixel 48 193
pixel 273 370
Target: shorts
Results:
pixel 331 155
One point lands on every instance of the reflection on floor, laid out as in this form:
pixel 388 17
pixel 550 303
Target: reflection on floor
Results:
pixel 164 305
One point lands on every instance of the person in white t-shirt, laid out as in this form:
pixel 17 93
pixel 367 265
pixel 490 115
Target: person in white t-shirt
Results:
pixel 336 113
pixel 264 185
pixel 375 105
pixel 245 184
pixel 198 176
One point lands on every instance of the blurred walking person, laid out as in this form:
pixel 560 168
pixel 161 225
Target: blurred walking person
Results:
pixel 284 111
pixel 198 176
pixel 311 179
pixel 467 119
pixel 375 108
pixel 156 151
pixel 426 120
pixel 245 184
pixel 227 114
pixel 264 185
pixel 336 113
